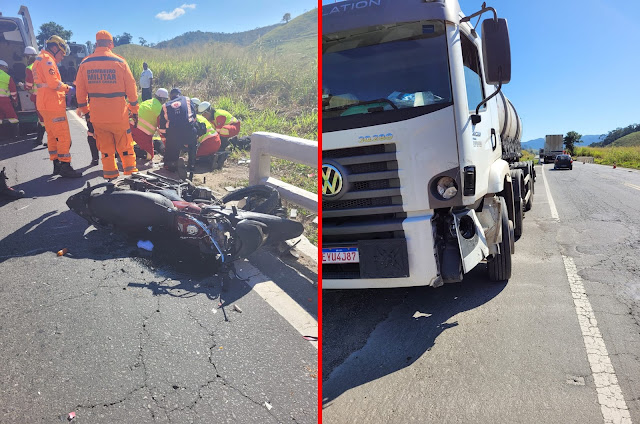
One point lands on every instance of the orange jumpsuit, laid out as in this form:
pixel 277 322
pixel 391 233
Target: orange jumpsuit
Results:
pixel 51 103
pixel 105 87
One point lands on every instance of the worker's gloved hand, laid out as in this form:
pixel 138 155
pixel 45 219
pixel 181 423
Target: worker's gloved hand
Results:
pixel 135 119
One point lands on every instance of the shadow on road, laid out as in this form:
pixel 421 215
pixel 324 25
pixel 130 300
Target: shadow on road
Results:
pixel 170 259
pixel 368 334
pixel 48 185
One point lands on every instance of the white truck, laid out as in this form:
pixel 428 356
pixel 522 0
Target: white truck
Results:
pixel 420 148
pixel 16 34
pixel 552 147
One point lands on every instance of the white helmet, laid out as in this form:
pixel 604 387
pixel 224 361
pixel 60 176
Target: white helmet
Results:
pixel 3 63
pixel 162 93
pixel 195 100
pixel 30 50
pixel 203 106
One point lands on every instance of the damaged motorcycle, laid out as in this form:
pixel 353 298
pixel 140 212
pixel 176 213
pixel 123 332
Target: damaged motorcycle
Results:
pixel 151 202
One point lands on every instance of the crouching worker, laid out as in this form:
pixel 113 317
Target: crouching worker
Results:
pixel 225 124
pixel 178 127
pixel 148 116
pixel 105 87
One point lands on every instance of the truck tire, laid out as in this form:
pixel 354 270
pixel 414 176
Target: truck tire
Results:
pixel 530 188
pixel 499 266
pixel 518 209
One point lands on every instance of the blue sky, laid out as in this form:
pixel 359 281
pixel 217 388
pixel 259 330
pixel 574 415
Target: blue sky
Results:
pixel 575 64
pixel 138 18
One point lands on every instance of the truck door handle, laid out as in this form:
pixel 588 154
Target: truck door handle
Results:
pixel 494 139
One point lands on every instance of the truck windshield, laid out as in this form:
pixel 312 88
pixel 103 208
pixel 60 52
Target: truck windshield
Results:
pixel 400 70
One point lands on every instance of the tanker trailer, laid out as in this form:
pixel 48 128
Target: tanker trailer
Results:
pixel 421 174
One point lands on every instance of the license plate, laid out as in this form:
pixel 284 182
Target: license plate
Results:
pixel 340 255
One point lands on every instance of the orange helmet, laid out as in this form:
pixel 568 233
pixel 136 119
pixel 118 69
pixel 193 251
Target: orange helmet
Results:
pixel 103 35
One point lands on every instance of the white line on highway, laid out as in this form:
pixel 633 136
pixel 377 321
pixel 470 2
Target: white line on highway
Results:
pixel 288 308
pixel 632 186
pixel 552 205
pixel 612 404
pixel 79 119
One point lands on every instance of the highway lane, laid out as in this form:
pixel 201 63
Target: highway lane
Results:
pixel 113 336
pixel 517 352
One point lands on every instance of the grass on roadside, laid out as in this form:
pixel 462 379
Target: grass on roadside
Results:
pixel 626 157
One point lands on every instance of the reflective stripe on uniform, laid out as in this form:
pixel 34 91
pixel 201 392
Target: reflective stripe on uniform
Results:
pixel 64 155
pixel 133 103
pixel 53 152
pixel 110 174
pixel 59 119
pixel 129 168
pixel 82 104
pixel 12 120
pixel 129 131
pixel 107 95
pixel 101 58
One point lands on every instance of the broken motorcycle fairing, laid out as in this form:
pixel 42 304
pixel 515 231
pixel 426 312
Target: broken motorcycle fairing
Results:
pixel 141 202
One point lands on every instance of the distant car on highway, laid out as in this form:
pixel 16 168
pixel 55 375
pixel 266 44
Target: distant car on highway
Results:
pixel 563 161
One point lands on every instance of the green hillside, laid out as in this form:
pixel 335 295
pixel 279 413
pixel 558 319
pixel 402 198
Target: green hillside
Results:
pixel 243 38
pixel 628 140
pixel 298 37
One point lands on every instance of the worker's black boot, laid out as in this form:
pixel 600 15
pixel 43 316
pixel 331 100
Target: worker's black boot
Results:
pixel 66 171
pixel 40 135
pixel 224 143
pixel 15 130
pixel 5 190
pixel 56 167
pixel 95 155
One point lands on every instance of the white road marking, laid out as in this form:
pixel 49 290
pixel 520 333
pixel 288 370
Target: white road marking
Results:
pixel 79 119
pixel 552 205
pixel 632 186
pixel 288 308
pixel 612 404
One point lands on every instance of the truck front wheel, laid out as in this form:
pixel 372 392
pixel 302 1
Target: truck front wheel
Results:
pixel 499 266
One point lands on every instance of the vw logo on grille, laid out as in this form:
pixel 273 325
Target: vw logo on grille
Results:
pixel 331 180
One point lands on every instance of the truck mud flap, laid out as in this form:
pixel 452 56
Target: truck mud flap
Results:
pixel 471 240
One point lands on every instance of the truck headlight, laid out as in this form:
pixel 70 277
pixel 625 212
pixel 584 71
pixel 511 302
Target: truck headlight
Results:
pixel 447 188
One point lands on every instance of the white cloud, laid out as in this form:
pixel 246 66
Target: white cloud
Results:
pixel 178 11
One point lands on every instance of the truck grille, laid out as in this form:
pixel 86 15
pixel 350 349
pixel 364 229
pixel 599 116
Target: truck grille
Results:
pixel 371 209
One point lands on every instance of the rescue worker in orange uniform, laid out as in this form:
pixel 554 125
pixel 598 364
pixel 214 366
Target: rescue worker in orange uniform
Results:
pixel 8 101
pixel 29 85
pixel 106 89
pixel 51 104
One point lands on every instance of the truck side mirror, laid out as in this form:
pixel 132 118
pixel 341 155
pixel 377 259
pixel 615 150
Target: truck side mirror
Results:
pixel 496 50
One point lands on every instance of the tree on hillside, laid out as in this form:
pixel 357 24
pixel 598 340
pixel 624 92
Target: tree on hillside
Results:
pixel 142 41
pixel 286 18
pixel 570 141
pixel 125 38
pixel 613 135
pixel 51 28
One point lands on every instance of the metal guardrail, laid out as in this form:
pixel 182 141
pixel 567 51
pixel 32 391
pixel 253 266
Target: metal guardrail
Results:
pixel 584 159
pixel 264 145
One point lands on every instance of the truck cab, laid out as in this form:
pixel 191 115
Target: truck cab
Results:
pixel 16 33
pixel 418 148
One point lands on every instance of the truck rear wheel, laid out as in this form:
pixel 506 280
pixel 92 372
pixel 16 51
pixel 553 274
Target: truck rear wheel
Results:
pixel 518 210
pixel 499 266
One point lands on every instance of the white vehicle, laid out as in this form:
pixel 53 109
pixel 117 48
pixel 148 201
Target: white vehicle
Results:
pixel 421 179
pixel 16 34
pixel 552 147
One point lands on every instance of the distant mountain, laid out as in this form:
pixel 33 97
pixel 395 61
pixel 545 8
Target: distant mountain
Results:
pixel 243 38
pixel 538 143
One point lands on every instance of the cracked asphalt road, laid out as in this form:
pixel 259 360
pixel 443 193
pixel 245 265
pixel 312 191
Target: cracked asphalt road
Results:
pixel 115 338
pixel 485 353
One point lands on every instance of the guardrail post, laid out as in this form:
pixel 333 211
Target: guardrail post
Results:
pixel 264 145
